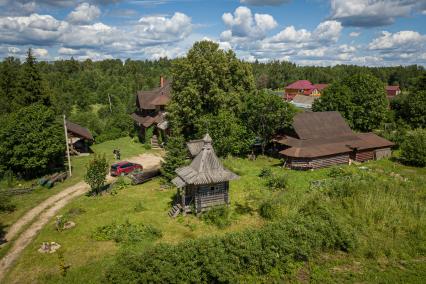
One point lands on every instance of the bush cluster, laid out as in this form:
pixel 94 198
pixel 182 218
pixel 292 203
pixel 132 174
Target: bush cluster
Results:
pixel 268 210
pixel 126 232
pixel 276 181
pixel 219 216
pixel 413 149
pixel 229 258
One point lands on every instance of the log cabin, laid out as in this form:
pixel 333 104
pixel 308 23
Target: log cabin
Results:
pixel 204 183
pixel 150 109
pixel 323 139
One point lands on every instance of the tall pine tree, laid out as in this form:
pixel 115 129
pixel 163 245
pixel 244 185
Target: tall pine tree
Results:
pixel 32 87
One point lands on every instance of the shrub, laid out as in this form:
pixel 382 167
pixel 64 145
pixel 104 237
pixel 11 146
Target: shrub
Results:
pixel 126 232
pixel 277 181
pixel 265 172
pixel 268 210
pixel 276 247
pixel 96 173
pixel 413 149
pixel 338 172
pixel 219 216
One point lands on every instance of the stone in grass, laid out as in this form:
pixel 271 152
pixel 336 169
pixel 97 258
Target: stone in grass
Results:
pixel 68 225
pixel 49 247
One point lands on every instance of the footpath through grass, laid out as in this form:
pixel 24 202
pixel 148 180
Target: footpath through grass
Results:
pixel 25 202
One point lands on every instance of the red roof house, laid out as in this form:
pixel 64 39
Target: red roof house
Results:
pixel 303 87
pixel 393 91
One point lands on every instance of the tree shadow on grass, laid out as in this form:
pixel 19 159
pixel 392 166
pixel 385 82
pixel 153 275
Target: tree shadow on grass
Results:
pixel 3 234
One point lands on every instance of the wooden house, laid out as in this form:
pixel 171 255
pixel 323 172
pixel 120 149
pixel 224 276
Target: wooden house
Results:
pixel 204 183
pixel 150 109
pixel 79 138
pixel 322 139
pixel 392 91
pixel 303 87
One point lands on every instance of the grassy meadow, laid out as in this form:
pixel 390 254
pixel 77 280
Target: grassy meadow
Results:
pixel 384 206
pixel 25 202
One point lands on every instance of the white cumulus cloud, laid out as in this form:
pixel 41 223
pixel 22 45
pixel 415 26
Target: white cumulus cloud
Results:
pixel 84 13
pixel 402 39
pixel 163 29
pixel 243 24
pixel 368 13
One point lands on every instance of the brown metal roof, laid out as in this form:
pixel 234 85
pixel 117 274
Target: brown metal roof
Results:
pixel 309 125
pixel 326 133
pixel 145 121
pixel 156 97
pixel 78 130
pixel 206 168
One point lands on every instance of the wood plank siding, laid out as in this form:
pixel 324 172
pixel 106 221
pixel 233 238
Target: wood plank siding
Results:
pixel 382 153
pixel 320 162
pixel 211 195
pixel 362 156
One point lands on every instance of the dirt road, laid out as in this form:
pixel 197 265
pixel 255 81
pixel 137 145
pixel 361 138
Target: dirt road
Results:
pixel 42 213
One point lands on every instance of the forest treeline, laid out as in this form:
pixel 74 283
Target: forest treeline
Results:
pixel 73 85
pixel 100 95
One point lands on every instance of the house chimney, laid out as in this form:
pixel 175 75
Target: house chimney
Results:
pixel 161 81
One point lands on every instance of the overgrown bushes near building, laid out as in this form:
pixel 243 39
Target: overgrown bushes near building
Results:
pixel 275 247
pixel 413 150
pixel 219 216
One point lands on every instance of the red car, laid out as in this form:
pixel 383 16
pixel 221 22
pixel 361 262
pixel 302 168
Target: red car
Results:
pixel 124 168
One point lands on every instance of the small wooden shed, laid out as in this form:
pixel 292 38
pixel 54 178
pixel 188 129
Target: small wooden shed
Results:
pixel 204 183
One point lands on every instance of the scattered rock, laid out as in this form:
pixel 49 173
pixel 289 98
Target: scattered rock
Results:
pixel 49 247
pixel 68 225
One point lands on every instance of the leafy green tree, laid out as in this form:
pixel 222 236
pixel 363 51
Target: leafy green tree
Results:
pixel 31 141
pixel 265 114
pixel 360 98
pixel 32 86
pixel 413 149
pixel 9 87
pixel 206 80
pixel 175 157
pixel 411 108
pixel 97 170
pixel 230 136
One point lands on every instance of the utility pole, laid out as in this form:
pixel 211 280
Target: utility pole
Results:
pixel 68 147
pixel 109 99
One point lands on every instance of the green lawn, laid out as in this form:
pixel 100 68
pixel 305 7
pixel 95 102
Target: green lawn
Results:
pixel 25 202
pixel 380 254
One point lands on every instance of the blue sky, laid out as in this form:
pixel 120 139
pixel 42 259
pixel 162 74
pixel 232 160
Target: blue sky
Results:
pixel 307 32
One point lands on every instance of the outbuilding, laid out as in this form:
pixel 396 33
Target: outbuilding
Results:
pixel 204 183
pixel 322 139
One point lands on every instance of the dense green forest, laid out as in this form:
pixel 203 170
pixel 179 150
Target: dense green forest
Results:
pixel 100 95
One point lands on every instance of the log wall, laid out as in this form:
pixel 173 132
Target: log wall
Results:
pixel 362 156
pixel 211 195
pixel 319 162
pixel 382 153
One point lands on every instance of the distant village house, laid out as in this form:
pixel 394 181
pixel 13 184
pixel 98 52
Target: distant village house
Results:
pixel 323 139
pixel 303 87
pixel 392 91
